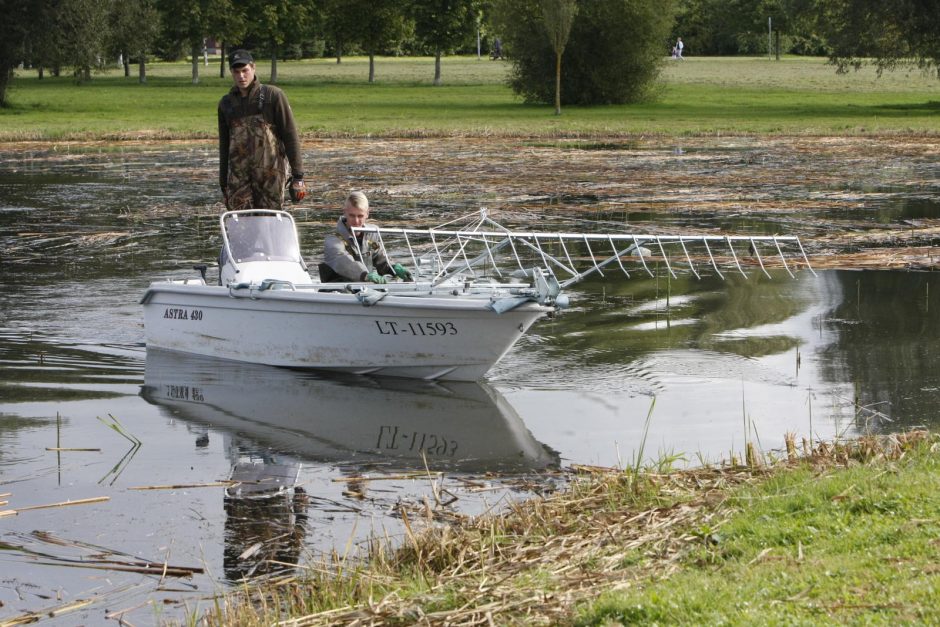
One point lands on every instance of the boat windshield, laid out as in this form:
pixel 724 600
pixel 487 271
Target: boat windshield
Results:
pixel 261 237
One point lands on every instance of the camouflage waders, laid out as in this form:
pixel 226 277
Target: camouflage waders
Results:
pixel 257 165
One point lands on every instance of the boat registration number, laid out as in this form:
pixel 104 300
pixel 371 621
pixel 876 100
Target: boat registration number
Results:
pixel 396 327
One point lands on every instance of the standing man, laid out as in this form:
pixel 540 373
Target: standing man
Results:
pixel 359 257
pixel 679 47
pixel 257 141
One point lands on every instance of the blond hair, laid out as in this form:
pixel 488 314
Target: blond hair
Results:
pixel 358 200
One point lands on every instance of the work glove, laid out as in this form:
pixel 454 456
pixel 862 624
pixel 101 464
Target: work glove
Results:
pixel 401 272
pixel 375 277
pixel 297 190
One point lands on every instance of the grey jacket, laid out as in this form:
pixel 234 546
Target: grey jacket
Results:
pixel 342 255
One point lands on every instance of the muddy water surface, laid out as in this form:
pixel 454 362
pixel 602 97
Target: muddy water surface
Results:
pixel 87 413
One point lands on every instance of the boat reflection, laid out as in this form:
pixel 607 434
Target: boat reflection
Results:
pixel 402 423
pixel 272 421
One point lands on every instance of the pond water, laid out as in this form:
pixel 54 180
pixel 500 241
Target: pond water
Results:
pixel 678 370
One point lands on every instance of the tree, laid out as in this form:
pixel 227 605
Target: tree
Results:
pixel 892 33
pixel 14 32
pixel 274 23
pixel 134 29
pixel 441 25
pixel 340 25
pixel 382 25
pixel 82 31
pixel 227 25
pixel 558 15
pixel 189 22
pixel 614 53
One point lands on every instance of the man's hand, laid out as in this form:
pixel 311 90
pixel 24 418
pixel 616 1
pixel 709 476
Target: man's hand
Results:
pixel 297 190
pixel 401 272
pixel 375 277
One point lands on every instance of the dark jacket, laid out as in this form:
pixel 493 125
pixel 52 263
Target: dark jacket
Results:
pixel 275 110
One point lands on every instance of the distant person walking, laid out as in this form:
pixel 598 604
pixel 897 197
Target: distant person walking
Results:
pixel 679 47
pixel 497 52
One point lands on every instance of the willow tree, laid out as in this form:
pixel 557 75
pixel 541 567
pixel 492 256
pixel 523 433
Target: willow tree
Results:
pixel 613 54
pixel 557 15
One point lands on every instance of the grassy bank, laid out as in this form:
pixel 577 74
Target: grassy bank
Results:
pixel 846 533
pixel 697 96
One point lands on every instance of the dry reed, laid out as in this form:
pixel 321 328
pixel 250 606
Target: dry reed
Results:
pixel 531 565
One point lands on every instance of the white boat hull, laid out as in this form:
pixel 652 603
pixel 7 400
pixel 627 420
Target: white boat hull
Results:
pixel 426 337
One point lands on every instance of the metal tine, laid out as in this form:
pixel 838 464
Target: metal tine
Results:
pixel 381 245
pixel 442 270
pixel 805 258
pixel 538 246
pixel 461 245
pixel 561 240
pixel 489 253
pixel 617 256
pixel 735 257
pixel 486 244
pixel 414 259
pixel 688 258
pixel 665 257
pixel 712 258
pixel 639 249
pixel 782 257
pixel 545 256
pixel 593 260
pixel 760 260
pixel 515 253
pixel 463 251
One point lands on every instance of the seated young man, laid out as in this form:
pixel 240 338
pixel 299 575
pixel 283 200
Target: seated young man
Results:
pixel 346 259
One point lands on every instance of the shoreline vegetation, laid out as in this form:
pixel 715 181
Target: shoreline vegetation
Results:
pixel 713 96
pixel 838 532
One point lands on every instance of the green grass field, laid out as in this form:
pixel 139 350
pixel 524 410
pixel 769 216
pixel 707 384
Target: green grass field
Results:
pixel 699 96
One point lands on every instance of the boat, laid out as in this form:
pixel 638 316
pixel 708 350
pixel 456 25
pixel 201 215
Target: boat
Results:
pixel 477 288
pixel 278 418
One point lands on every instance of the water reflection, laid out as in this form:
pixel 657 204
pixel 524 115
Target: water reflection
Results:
pixel 265 514
pixel 886 333
pixel 274 420
pixel 397 423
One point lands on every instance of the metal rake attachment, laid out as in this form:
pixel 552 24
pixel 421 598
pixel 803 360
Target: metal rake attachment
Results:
pixel 485 247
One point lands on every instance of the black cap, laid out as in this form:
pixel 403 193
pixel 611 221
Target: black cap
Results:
pixel 240 57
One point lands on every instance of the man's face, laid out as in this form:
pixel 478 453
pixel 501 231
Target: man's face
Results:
pixel 243 75
pixel 354 215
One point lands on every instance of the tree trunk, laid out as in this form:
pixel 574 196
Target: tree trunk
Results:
pixel 195 55
pixel 41 71
pixel 371 68
pixel 437 68
pixel 557 83
pixel 777 43
pixel 339 51
pixel 125 58
pixel 142 69
pixel 274 66
pixel 222 60
pixel 6 73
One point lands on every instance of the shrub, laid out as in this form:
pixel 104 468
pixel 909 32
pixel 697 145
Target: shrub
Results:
pixel 613 56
